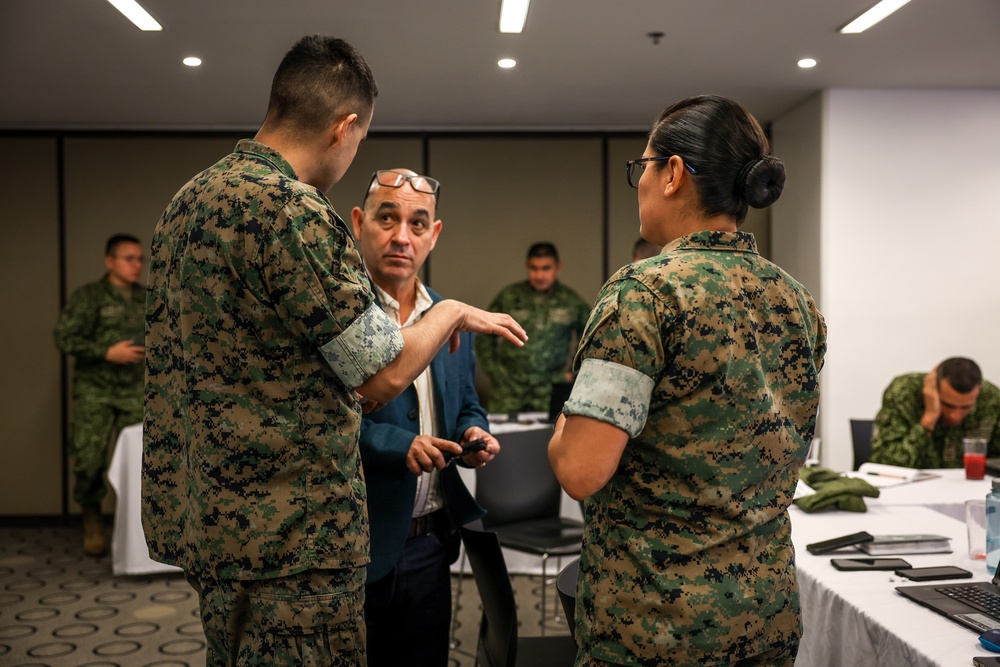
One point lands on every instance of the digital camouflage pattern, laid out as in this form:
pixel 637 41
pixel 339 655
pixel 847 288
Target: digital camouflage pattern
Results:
pixel 899 439
pixel 522 377
pixel 314 619
pixel 251 467
pixel 687 556
pixel 106 396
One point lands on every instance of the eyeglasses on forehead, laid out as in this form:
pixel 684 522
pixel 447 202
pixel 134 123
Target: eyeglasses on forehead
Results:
pixel 395 179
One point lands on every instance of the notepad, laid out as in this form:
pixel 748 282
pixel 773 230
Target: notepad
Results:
pixel 891 545
pixel 883 474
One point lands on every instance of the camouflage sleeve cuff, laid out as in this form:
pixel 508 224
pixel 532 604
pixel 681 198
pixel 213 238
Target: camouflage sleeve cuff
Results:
pixel 611 393
pixel 364 348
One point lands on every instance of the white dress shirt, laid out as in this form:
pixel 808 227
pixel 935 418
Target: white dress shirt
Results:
pixel 428 497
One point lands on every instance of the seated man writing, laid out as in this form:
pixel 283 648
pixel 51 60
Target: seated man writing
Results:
pixel 924 416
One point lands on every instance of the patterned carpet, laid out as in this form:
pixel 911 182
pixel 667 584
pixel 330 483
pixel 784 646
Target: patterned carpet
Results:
pixel 59 608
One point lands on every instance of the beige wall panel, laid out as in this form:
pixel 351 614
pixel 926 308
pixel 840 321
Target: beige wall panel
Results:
pixel 31 474
pixel 123 184
pixel 623 202
pixel 500 195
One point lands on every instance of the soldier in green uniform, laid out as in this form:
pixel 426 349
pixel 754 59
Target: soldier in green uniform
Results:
pixel 693 410
pixel 101 326
pixel 263 336
pixel 554 317
pixel 924 416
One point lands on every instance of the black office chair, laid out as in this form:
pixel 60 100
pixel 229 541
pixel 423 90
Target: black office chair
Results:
pixel 861 439
pixel 499 644
pixel 522 498
pixel 566 586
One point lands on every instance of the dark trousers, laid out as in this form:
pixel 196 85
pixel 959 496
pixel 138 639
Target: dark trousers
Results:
pixel 408 611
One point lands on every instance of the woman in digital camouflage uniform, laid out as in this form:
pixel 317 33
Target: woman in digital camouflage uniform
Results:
pixel 692 412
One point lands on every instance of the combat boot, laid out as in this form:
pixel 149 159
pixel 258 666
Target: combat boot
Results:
pixel 95 539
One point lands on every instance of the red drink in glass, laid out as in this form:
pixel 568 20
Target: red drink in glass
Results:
pixel 975 466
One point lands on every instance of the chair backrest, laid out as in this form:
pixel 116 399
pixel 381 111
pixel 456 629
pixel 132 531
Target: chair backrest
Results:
pixel 861 438
pixel 498 629
pixel 519 484
pixel 566 585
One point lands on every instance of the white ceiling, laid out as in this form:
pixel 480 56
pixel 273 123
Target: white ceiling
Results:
pixel 582 64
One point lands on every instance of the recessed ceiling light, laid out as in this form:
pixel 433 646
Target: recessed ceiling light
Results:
pixel 191 61
pixel 872 16
pixel 136 14
pixel 806 63
pixel 512 15
pixel 506 63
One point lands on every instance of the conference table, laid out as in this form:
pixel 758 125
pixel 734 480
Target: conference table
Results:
pixel 857 619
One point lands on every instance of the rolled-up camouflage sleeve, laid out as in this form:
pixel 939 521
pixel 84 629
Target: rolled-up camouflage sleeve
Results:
pixel 364 348
pixel 620 353
pixel 611 393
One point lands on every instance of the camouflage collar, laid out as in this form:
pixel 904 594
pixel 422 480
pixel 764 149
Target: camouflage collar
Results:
pixel 265 152
pixel 728 241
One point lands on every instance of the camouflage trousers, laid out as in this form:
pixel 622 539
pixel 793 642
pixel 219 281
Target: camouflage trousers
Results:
pixel 314 618
pixel 97 420
pixel 782 656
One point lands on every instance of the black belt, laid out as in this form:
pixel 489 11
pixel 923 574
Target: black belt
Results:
pixel 421 525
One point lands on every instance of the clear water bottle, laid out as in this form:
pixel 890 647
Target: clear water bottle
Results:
pixel 993 527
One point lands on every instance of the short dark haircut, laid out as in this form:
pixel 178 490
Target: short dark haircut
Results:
pixel 728 149
pixel 117 240
pixel 962 374
pixel 320 79
pixel 543 249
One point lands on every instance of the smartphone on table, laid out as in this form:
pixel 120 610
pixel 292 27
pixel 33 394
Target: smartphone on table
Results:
pixel 868 564
pixel 934 573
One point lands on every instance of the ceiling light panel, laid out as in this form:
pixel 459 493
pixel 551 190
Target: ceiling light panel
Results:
pixel 136 14
pixel 872 16
pixel 512 15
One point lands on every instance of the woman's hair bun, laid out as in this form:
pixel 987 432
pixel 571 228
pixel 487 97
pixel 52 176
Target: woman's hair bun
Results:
pixel 761 181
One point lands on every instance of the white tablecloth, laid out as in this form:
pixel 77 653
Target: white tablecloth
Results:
pixel 946 493
pixel 855 619
pixel 129 554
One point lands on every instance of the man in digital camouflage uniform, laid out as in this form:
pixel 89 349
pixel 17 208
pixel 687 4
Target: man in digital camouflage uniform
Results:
pixel 554 317
pixel 262 331
pixel 718 421
pixel 101 326
pixel 924 416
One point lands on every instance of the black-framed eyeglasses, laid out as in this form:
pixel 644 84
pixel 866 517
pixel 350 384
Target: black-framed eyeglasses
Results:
pixel 395 179
pixel 634 168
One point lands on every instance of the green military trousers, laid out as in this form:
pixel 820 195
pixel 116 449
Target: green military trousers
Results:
pixel 97 419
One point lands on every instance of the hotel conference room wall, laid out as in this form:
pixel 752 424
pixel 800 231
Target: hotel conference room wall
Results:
pixel 500 194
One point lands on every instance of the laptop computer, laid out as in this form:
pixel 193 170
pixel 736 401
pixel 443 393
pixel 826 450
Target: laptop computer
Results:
pixel 975 605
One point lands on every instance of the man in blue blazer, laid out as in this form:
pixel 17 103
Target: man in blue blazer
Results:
pixel 416 499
